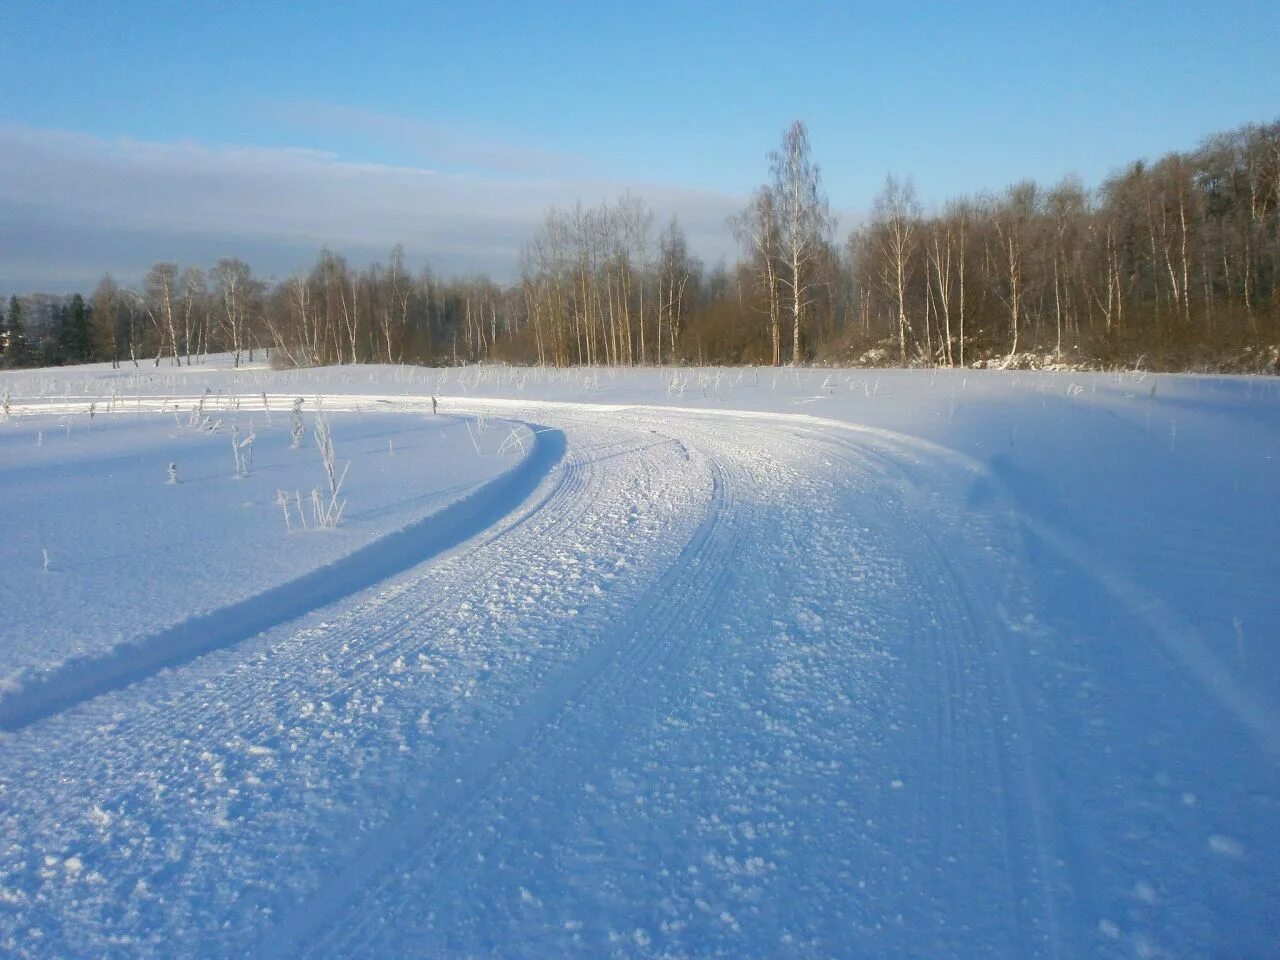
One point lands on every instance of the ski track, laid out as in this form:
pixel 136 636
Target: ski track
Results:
pixel 720 687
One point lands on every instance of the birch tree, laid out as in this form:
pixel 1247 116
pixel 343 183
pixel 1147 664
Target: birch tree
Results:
pixel 804 223
pixel 234 286
pixel 757 230
pixel 897 210
pixel 675 270
pixel 161 282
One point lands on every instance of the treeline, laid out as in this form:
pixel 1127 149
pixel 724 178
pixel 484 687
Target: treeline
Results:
pixel 1175 262
pixel 1170 265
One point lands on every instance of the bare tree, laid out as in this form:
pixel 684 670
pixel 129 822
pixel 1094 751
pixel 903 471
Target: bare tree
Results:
pixel 194 296
pixel 941 256
pixel 160 285
pixel 105 319
pixel 804 222
pixel 896 208
pixel 1067 207
pixel 675 270
pixel 233 281
pixel 1013 217
pixel 757 230
pixel 394 311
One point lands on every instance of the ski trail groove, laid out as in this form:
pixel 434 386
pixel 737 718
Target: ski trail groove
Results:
pixel 970 647
pixel 437 834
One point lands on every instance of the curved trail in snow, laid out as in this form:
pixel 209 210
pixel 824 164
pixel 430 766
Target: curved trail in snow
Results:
pixel 722 685
pixel 79 680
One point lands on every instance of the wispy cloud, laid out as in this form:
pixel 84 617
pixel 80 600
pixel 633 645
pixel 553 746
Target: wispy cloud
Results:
pixel 435 145
pixel 73 205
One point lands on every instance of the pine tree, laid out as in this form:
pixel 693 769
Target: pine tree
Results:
pixel 73 332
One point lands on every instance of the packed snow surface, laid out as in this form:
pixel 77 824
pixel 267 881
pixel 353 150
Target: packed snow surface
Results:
pixel 660 663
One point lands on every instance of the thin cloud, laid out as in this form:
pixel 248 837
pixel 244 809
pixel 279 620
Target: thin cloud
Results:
pixel 72 193
pixel 438 146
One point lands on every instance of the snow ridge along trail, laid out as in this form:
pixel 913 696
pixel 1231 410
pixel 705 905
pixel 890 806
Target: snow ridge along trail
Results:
pixel 722 685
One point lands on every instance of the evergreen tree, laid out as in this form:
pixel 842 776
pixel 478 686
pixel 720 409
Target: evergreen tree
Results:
pixel 15 354
pixel 73 331
pixel 46 350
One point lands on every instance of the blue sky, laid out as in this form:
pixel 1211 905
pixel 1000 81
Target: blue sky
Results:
pixel 132 131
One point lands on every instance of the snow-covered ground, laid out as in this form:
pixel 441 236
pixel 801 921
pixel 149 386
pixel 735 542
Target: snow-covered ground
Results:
pixel 112 558
pixel 642 663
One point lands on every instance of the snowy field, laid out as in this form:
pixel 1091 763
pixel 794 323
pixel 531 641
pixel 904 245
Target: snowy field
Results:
pixel 737 663
pixel 138 561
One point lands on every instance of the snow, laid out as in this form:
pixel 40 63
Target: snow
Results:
pixel 130 565
pixel 694 663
